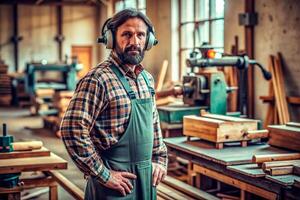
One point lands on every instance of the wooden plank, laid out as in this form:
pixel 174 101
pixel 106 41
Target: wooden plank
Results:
pixel 193 192
pixel 162 75
pixel 294 100
pixel 256 134
pixel 26 154
pixel 70 187
pixel 282 88
pixel 226 118
pixel 275 157
pixel 249 170
pixel 290 99
pixel 275 171
pixel 235 182
pixel 44 163
pixel 227 196
pixel 170 192
pixel 268 165
pixel 276 89
pixel 293 124
pixel 285 136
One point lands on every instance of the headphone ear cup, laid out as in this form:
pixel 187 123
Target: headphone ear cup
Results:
pixel 109 39
pixel 151 41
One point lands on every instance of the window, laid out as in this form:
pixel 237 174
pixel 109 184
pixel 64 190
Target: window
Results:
pixel 200 21
pixel 138 4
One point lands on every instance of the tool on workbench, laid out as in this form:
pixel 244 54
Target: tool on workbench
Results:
pixel 206 87
pixel 8 146
pixel 6 142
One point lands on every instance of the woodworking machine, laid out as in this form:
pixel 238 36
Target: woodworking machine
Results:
pixel 6 141
pixel 205 86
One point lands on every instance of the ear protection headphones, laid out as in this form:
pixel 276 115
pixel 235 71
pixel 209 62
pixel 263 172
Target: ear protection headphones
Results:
pixel 107 36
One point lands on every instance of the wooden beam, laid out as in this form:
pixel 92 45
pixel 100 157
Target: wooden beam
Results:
pixel 195 193
pixel 275 157
pixel 235 182
pixel 290 99
pixel 249 47
pixel 162 75
pixel 70 187
pixel 275 171
pixel 268 165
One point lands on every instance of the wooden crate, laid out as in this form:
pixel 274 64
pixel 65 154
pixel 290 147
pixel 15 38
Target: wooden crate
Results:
pixel 218 128
pixel 285 136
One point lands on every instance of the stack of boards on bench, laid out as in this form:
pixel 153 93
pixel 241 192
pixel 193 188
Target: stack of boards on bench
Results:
pixel 221 129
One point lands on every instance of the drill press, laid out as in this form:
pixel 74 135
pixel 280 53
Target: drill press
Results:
pixel 7 180
pixel 207 87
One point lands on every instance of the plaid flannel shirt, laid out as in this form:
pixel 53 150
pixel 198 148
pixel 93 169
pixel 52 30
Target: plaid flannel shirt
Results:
pixel 98 115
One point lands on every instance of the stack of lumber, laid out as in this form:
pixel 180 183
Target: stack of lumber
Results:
pixel 41 101
pixel 279 164
pixel 172 189
pixel 285 136
pixel 220 129
pixel 277 112
pixel 5 86
pixel 61 101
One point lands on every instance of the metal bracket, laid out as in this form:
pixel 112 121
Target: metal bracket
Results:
pixel 248 19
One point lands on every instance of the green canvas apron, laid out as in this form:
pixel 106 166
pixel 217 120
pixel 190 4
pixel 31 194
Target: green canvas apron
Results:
pixel 133 151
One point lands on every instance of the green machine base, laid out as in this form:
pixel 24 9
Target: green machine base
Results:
pixel 174 114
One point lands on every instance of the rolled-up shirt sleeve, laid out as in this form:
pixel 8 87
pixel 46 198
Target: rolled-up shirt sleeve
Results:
pixel 85 105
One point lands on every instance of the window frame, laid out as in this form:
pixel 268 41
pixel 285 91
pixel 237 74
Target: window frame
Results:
pixel 142 9
pixel 196 23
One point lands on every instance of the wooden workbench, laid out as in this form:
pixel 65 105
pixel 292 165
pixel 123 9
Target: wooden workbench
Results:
pixel 42 160
pixel 230 165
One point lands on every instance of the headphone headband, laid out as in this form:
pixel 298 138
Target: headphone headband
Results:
pixel 108 38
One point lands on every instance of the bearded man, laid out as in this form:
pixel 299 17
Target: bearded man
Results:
pixel 111 127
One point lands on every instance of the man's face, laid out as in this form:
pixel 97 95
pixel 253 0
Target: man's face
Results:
pixel 131 39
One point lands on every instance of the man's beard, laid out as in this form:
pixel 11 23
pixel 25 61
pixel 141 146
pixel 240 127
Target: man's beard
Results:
pixel 128 58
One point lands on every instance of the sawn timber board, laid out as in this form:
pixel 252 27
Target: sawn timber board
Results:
pixel 25 154
pixel 43 163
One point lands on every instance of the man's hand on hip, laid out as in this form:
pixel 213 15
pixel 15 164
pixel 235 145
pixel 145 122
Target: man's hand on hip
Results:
pixel 158 173
pixel 120 181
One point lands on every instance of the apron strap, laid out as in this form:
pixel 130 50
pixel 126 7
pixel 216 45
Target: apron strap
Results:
pixel 152 91
pixel 123 80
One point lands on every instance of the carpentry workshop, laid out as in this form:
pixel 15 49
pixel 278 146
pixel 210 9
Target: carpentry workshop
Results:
pixel 149 99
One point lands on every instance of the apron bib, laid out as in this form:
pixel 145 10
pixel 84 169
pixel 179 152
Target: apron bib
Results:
pixel 133 151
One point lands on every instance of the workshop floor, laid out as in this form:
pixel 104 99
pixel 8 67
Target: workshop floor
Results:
pixel 23 126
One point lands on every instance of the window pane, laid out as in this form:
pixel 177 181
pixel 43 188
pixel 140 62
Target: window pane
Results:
pixel 217 8
pixel 119 5
pixel 217 30
pixel 142 4
pixel 202 9
pixel 187 10
pixel 184 55
pixel 187 31
pixel 202 33
pixel 130 3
